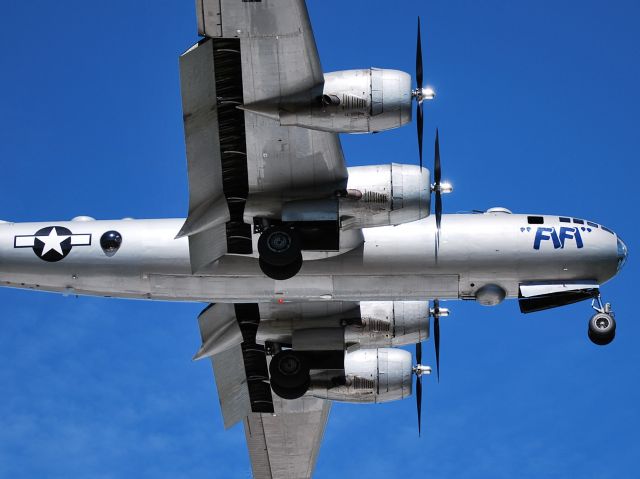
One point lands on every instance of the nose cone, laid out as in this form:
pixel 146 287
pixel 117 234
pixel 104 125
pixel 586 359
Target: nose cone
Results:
pixel 622 253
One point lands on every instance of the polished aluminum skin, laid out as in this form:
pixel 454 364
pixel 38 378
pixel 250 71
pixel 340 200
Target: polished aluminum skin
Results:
pixel 395 263
pixel 372 376
pixel 261 124
pixel 351 101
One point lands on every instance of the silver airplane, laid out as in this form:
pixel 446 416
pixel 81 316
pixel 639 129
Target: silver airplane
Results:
pixel 313 273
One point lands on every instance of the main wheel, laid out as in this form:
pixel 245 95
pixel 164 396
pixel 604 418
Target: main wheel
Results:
pixel 289 369
pixel 290 393
pixel 281 272
pixel 279 245
pixel 602 329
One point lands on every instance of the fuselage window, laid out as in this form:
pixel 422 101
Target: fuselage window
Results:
pixel 593 225
pixel 564 219
pixel 535 220
pixel 577 221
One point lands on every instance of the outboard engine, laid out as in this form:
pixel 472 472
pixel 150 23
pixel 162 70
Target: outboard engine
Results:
pixel 370 376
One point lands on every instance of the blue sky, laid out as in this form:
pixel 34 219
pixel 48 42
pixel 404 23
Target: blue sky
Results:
pixel 538 111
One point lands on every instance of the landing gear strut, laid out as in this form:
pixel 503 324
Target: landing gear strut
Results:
pixel 280 252
pixel 602 326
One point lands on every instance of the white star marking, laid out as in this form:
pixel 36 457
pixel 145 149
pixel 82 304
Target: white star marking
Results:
pixel 52 242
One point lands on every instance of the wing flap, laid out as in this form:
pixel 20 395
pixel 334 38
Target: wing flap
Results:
pixel 228 335
pixel 231 381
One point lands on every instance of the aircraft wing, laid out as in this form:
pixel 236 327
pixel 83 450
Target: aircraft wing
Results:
pixel 286 445
pixel 283 437
pixel 252 51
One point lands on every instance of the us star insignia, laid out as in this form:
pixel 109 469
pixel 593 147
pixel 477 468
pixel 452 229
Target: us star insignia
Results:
pixel 52 243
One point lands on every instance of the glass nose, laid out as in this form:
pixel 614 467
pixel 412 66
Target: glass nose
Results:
pixel 622 254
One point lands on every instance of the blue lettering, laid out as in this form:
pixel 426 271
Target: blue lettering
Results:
pixel 570 233
pixel 541 235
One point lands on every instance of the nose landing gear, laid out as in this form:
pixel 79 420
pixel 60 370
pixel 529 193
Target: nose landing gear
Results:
pixel 602 325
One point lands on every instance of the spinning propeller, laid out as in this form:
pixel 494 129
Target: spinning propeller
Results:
pixel 438 188
pixel 420 94
pixel 436 312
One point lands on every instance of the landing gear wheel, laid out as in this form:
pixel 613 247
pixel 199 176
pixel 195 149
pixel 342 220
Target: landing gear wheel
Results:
pixel 281 272
pixel 279 245
pixel 290 393
pixel 289 370
pixel 602 329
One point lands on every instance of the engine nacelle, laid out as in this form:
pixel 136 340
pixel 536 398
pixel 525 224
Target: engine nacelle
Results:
pixel 351 101
pixel 370 376
pixel 389 323
pixel 383 195
pixel 337 325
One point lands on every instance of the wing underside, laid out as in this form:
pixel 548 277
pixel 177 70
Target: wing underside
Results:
pixel 286 444
pixel 283 437
pixel 252 51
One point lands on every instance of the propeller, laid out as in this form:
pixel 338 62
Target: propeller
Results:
pixel 419 369
pixel 419 386
pixel 419 77
pixel 420 93
pixel 436 334
pixel 438 187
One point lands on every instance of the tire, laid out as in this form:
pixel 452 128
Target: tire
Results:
pixel 279 245
pixel 290 393
pixel 281 273
pixel 602 329
pixel 289 370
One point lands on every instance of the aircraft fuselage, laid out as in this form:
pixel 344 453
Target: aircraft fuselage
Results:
pixel 393 263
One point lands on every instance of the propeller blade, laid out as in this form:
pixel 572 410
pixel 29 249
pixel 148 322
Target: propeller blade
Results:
pixel 419 402
pixel 437 170
pixel 419 353
pixel 419 124
pixel 437 176
pixel 438 211
pixel 436 334
pixel 419 59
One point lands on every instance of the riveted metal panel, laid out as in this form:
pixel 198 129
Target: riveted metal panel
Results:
pixel 209 15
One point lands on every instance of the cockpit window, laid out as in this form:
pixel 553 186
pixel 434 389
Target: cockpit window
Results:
pixel 578 222
pixel 564 219
pixel 592 224
pixel 535 220
pixel 607 230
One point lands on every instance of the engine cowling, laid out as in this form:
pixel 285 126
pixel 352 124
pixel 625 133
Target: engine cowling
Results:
pixel 370 376
pixel 351 101
pixel 389 323
pixel 383 195
pixel 336 325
